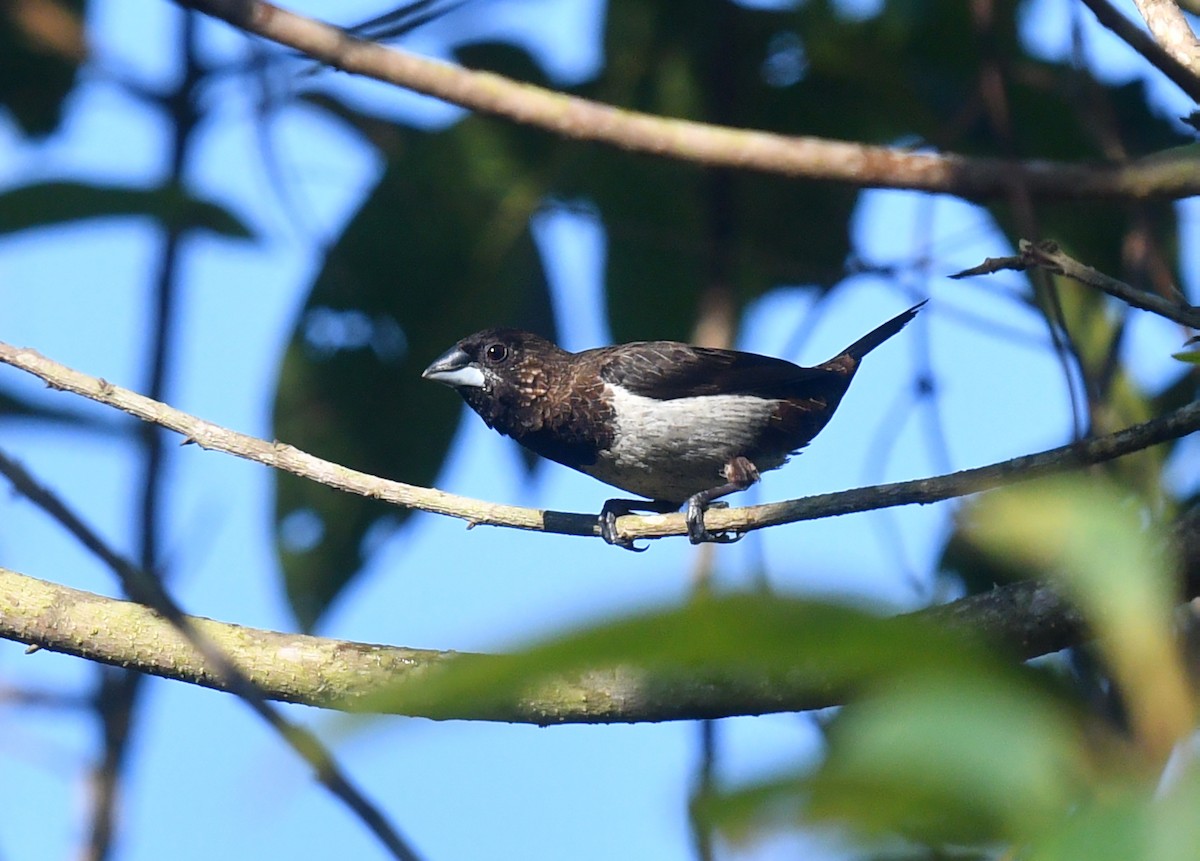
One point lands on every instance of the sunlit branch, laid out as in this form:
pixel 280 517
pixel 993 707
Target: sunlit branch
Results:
pixel 1184 77
pixel 1160 176
pixel 476 512
pixel 1171 30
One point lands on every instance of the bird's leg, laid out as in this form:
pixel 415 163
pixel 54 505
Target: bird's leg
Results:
pixel 615 508
pixel 739 473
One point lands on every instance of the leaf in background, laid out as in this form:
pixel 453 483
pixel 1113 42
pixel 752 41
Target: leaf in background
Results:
pixel 1134 821
pixel 935 756
pixel 45 204
pixel 441 248
pixel 951 759
pixel 978 570
pixel 42 46
pixel 1094 541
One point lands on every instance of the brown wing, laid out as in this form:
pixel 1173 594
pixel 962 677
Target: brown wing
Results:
pixel 667 370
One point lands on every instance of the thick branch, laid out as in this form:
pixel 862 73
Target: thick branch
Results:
pixel 1028 618
pixel 280 456
pixel 1163 175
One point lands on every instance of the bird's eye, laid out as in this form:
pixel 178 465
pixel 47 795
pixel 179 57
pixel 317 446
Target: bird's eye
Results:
pixel 496 352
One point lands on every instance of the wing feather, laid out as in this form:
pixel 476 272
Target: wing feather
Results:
pixel 667 370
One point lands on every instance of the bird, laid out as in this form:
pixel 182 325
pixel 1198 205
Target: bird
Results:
pixel 674 423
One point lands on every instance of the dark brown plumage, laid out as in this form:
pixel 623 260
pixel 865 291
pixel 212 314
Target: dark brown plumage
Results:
pixel 665 420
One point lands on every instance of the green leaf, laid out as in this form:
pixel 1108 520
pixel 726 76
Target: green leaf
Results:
pixel 951 758
pixel 731 644
pixel 1092 539
pixel 46 204
pixel 936 756
pixel 1192 357
pixel 1131 821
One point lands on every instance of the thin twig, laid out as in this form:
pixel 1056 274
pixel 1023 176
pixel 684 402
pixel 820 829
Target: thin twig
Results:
pixel 1140 41
pixel 1161 176
pixel 1047 255
pixel 1027 619
pixel 290 459
pixel 118 692
pixel 218 666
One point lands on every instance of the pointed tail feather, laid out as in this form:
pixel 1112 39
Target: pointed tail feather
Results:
pixel 877 336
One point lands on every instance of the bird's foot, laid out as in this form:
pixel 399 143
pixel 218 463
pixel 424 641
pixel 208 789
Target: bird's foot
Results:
pixel 698 533
pixel 615 508
pixel 608 531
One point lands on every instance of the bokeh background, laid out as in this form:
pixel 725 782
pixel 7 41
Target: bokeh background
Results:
pixel 333 235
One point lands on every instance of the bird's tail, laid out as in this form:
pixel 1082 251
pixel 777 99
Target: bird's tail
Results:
pixel 877 336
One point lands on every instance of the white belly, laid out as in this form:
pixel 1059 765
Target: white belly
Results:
pixel 670 450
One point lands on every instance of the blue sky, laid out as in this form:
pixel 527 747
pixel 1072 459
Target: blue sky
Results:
pixel 207 778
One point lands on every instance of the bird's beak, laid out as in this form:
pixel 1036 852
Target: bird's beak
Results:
pixel 454 368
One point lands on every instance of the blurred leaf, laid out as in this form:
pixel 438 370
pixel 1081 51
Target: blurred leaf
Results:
pixel 441 248
pixel 1141 821
pixel 1094 541
pixel 951 759
pixel 977 569
pixel 46 204
pixel 41 48
pixel 732 642
pixel 1192 358
pixel 939 757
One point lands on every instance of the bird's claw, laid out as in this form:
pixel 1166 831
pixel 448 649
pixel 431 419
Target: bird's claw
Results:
pixel 698 534
pixel 608 531
pixel 703 536
pixel 696 531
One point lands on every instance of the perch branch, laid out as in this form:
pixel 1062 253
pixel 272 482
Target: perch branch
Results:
pixel 1163 175
pixel 290 459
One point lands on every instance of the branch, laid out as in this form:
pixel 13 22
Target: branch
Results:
pixel 1164 175
pixel 1028 618
pixel 278 455
pixel 1180 74
pixel 1170 29
pixel 1047 255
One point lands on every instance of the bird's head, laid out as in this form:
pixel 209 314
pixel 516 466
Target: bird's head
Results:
pixel 498 371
